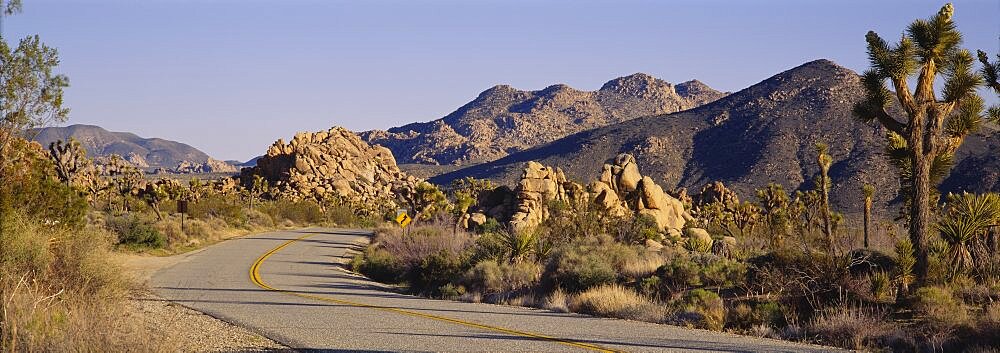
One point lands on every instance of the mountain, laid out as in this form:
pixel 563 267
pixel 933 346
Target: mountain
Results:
pixel 503 120
pixel 764 133
pixel 144 152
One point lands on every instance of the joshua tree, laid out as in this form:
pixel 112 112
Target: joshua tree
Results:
pixel 931 128
pixel 991 74
pixel 257 188
pixel 824 160
pixel 70 160
pixel 869 192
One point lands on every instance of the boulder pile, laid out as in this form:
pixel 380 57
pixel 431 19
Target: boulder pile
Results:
pixel 211 166
pixel 622 190
pixel 333 164
pixel 538 186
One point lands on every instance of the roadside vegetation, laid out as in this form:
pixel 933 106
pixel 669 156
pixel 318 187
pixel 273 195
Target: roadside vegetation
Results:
pixel 62 214
pixel 784 265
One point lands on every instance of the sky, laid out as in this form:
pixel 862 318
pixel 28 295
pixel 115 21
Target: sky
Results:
pixel 231 76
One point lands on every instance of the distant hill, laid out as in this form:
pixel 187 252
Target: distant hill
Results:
pixel 764 133
pixel 504 120
pixel 145 152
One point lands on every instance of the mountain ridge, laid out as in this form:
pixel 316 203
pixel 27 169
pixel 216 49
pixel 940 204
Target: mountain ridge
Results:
pixel 761 134
pixel 503 120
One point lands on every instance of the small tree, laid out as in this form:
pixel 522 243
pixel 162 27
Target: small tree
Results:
pixel 869 192
pixel 932 128
pixel 823 184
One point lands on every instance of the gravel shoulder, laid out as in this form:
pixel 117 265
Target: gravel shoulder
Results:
pixel 188 330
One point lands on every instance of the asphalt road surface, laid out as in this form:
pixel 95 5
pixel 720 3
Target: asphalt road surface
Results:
pixel 287 286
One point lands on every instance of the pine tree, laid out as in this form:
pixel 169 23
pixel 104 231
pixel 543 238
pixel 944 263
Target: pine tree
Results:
pixel 931 128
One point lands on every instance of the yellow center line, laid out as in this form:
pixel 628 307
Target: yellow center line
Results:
pixel 256 279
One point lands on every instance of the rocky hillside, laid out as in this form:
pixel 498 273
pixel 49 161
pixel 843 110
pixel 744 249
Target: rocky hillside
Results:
pixel 764 133
pixel 142 152
pixel 503 120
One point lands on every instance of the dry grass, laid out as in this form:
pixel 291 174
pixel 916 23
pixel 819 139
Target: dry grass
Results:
pixel 616 301
pixel 855 328
pixel 557 301
pixel 642 266
pixel 59 291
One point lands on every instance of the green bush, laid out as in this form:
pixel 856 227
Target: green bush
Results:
pixel 134 231
pixel 490 277
pixel 703 309
pixel 342 216
pixel 746 316
pixel 686 271
pixel 577 268
pixel 227 208
pixel 378 264
pixel 435 271
pixel 299 212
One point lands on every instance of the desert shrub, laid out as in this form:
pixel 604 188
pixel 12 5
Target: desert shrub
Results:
pixel 430 256
pixel 588 262
pixel 613 300
pixel 747 316
pixel 685 271
pixel 227 208
pixel 299 212
pixel 854 328
pixel 341 215
pixel 490 277
pixel 31 187
pixel 378 264
pixel 810 280
pixel 134 231
pixel 643 265
pixel 635 229
pixel 435 271
pixel 702 309
pixel 940 314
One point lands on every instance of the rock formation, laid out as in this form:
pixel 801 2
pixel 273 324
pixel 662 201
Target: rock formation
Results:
pixel 211 166
pixel 334 164
pixel 622 190
pixel 540 185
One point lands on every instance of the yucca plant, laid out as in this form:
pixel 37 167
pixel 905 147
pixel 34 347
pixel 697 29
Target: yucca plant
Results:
pixel 881 285
pixel 966 222
pixel 518 244
pixel 904 264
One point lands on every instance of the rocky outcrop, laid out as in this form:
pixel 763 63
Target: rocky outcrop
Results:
pixel 540 185
pixel 333 164
pixel 211 166
pixel 622 190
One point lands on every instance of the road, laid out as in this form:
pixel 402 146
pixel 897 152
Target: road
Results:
pixel 286 286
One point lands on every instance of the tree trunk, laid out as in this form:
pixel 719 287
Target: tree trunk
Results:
pixel 868 220
pixel 825 200
pixel 920 214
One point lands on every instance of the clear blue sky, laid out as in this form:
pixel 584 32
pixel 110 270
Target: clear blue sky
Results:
pixel 230 77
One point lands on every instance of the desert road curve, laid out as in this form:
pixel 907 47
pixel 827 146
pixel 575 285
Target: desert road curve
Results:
pixel 288 286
